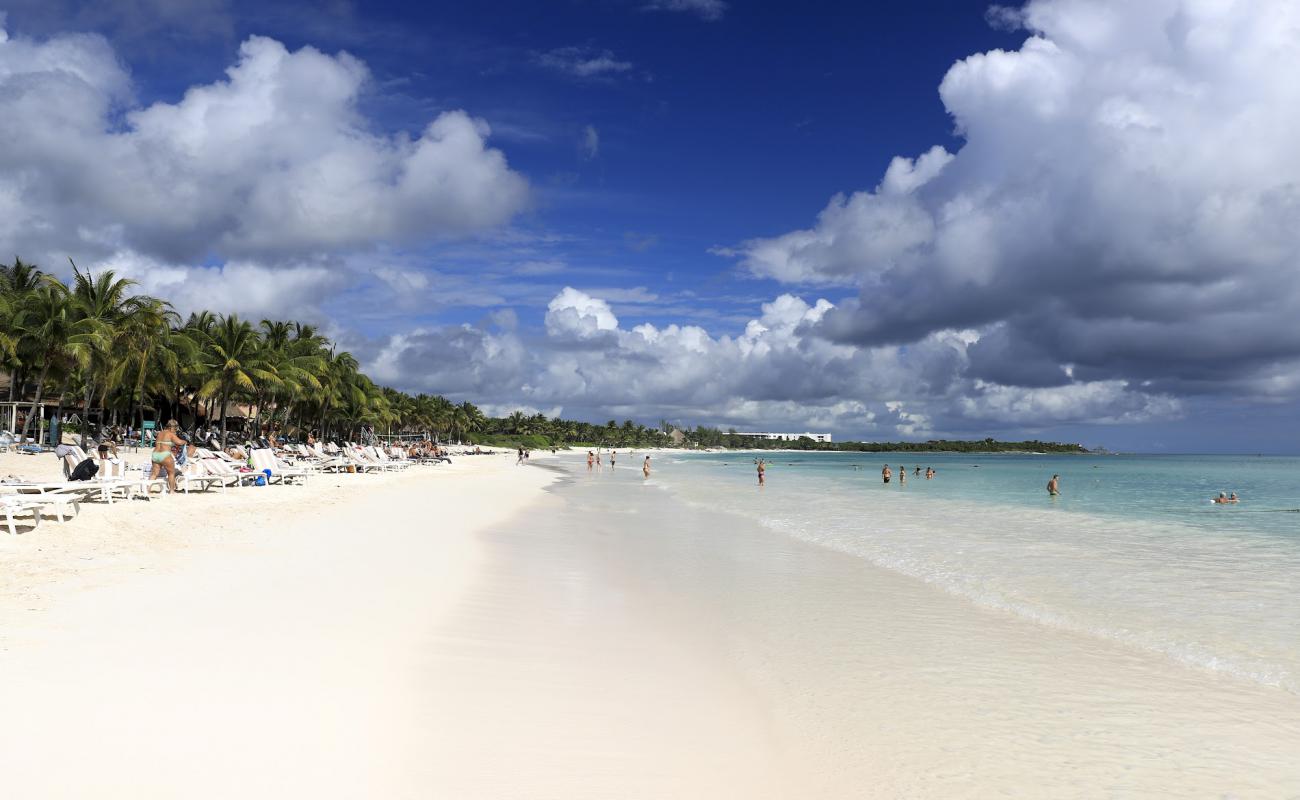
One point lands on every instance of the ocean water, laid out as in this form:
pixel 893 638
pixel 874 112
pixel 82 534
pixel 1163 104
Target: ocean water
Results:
pixel 1132 551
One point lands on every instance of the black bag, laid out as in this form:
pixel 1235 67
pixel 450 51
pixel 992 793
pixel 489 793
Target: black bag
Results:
pixel 84 471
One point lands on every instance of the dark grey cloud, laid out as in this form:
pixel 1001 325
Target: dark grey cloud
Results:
pixel 1122 209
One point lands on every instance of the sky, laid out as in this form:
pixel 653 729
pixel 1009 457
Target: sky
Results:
pixel 1067 219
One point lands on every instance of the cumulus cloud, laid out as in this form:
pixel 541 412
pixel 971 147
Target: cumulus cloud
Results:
pixel 711 10
pixel 243 287
pixel 583 62
pixel 776 371
pixel 274 161
pixel 1121 211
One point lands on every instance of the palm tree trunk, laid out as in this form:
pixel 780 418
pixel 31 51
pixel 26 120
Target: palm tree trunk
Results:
pixel 58 409
pixel 36 404
pixel 85 417
pixel 225 402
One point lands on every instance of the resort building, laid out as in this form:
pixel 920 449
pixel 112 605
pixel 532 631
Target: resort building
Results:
pixel 788 437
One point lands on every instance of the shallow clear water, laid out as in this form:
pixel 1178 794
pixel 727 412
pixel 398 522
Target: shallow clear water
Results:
pixel 1132 551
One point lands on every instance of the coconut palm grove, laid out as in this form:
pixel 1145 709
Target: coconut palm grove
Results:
pixel 110 355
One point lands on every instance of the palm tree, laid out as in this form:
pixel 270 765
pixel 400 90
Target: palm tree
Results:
pixel 104 304
pixel 49 325
pixel 336 379
pixel 18 282
pixel 147 349
pixel 236 362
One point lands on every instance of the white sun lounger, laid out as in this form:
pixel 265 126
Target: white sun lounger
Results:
pixel 12 506
pixel 217 467
pixel 382 458
pixel 196 476
pixel 57 503
pixel 264 459
pixel 332 463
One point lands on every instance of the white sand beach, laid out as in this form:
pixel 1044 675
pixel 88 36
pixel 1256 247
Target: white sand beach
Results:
pixel 268 642
pixel 462 632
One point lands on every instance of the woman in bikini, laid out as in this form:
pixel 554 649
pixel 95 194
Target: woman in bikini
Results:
pixel 162 458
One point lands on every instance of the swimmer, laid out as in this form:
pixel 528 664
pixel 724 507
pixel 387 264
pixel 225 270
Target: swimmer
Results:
pixel 1224 499
pixel 929 473
pixel 886 474
pixel 918 472
pixel 1054 486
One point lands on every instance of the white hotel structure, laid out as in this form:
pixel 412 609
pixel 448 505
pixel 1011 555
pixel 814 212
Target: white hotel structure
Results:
pixel 788 437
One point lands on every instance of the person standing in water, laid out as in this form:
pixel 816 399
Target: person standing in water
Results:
pixel 591 459
pixel 645 467
pixel 612 455
pixel 886 474
pixel 902 473
pixel 762 473
pixel 1054 486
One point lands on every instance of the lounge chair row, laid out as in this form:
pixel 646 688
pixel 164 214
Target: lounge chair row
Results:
pixel 205 470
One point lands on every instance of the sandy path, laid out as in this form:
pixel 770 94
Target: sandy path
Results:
pixel 283 663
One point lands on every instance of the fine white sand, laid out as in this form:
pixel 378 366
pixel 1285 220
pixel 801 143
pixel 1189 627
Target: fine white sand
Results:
pixel 265 643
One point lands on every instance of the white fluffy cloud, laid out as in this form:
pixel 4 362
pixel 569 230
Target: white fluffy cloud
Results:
pixel 776 372
pixel 275 160
pixel 1123 205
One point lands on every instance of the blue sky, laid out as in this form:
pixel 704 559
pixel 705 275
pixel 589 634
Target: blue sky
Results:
pixel 896 220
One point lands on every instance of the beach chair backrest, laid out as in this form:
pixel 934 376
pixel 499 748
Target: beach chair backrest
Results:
pixel 263 459
pixel 216 466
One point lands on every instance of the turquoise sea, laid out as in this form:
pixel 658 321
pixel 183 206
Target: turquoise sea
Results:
pixel 1132 551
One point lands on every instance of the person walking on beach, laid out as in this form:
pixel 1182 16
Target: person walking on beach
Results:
pixel 162 458
pixel 612 455
pixel 1054 486
pixel 598 457
pixel 886 473
pixel 762 473
pixel 520 460
pixel 645 467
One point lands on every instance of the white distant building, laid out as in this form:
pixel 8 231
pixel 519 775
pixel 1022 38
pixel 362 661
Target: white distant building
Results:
pixel 788 437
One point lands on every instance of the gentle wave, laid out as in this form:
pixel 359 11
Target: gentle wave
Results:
pixel 1204 600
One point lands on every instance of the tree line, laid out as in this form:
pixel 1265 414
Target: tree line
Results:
pixel 96 344
pixel 713 437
